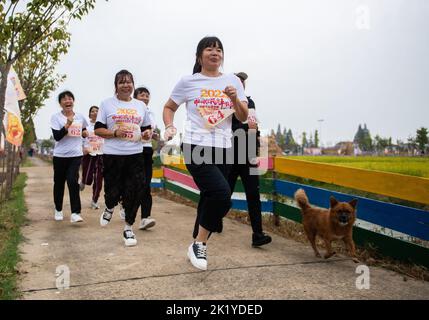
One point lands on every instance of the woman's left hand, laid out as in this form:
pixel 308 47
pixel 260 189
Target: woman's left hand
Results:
pixel 147 134
pixel 231 92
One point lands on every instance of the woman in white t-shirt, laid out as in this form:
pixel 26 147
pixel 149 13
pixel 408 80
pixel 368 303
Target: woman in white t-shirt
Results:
pixel 68 128
pixel 211 98
pixel 123 122
pixel 92 161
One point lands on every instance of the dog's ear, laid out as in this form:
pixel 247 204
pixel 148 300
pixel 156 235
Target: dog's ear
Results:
pixel 333 201
pixel 353 203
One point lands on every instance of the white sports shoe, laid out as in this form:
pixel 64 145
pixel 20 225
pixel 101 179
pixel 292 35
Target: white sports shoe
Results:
pixel 197 254
pixel 105 217
pixel 75 217
pixel 146 223
pixel 129 238
pixel 94 205
pixel 121 212
pixel 59 216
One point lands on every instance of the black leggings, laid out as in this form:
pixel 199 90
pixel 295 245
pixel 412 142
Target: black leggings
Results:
pixel 251 188
pixel 67 169
pixel 147 197
pixel 124 180
pixel 215 193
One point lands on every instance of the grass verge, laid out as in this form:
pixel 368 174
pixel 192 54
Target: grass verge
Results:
pixel 12 217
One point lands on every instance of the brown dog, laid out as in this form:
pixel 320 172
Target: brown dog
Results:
pixel 330 224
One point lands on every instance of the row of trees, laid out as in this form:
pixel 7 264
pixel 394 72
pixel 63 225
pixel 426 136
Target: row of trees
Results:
pixel 33 38
pixel 379 144
pixel 284 138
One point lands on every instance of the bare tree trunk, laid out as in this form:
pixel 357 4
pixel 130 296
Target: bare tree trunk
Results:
pixel 4 72
pixel 8 177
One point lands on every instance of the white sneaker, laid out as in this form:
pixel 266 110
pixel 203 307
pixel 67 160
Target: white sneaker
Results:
pixel 197 254
pixel 122 212
pixel 146 223
pixel 75 217
pixel 105 217
pixel 129 238
pixel 94 205
pixel 59 216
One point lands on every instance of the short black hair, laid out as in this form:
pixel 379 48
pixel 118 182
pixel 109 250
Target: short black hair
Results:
pixel 121 75
pixel 140 90
pixel 205 42
pixel 90 109
pixel 64 94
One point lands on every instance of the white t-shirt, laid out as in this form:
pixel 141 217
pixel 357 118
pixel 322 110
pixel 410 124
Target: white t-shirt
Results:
pixel 71 144
pixel 93 142
pixel 151 115
pixel 205 100
pixel 129 115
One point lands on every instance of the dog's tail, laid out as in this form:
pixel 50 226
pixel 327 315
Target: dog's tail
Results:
pixel 302 200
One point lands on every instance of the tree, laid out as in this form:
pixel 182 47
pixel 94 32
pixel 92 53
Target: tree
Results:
pixel 316 139
pixel 363 138
pixel 380 144
pixel 422 138
pixel 24 25
pixel 310 141
pixel 278 134
pixel 358 136
pixel 304 142
pixel 36 70
pixel 47 144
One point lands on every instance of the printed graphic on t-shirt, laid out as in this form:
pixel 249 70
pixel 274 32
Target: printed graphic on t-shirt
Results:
pixel 214 106
pixel 252 118
pixel 75 130
pixel 95 144
pixel 128 120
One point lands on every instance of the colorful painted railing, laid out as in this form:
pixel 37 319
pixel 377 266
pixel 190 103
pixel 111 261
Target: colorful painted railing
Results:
pixel 404 221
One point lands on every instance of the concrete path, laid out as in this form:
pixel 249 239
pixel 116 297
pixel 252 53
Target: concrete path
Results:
pixel 101 267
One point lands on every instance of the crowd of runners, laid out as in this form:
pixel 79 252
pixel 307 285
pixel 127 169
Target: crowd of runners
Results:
pixel 114 148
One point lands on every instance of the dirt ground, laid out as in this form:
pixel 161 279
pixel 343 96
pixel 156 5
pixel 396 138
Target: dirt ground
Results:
pixel 101 267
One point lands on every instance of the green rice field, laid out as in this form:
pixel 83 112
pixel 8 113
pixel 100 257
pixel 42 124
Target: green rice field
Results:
pixel 413 166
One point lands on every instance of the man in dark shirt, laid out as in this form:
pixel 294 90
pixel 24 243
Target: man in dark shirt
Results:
pixel 242 168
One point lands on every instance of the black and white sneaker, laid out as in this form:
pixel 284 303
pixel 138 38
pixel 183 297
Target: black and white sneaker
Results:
pixel 197 254
pixel 129 238
pixel 105 217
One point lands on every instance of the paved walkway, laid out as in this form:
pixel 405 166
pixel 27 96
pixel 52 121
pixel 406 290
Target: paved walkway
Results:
pixel 157 268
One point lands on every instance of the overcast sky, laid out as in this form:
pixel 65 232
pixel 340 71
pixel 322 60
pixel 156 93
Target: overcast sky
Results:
pixel 347 62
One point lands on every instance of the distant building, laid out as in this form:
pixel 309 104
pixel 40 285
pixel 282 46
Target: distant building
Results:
pixel 344 148
pixel 312 151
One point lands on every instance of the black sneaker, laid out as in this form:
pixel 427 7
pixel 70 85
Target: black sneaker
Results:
pixel 129 238
pixel 197 253
pixel 105 217
pixel 259 239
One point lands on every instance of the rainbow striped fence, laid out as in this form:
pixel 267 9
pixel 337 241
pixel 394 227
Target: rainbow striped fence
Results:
pixel 392 229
